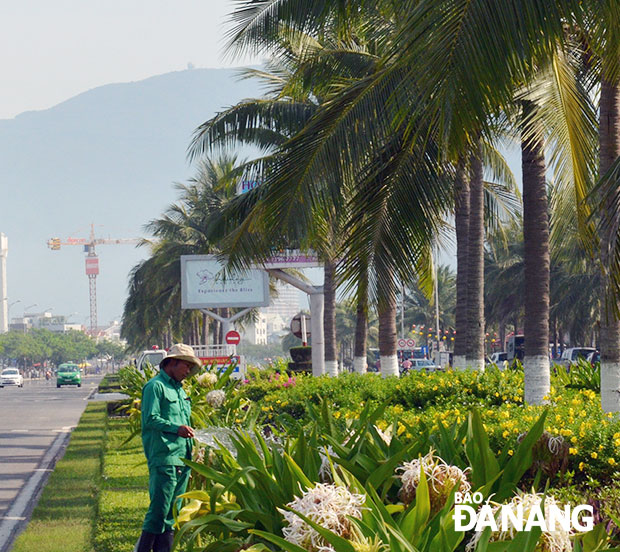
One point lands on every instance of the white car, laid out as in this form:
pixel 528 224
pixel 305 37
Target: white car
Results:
pixel 571 355
pixel 11 376
pixel 423 364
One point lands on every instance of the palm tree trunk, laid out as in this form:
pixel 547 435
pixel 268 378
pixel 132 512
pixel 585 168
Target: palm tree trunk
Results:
pixel 329 319
pixel 609 142
pixel 475 266
pixel 205 329
pixel 537 266
pixel 216 331
pixel 387 330
pixel 461 221
pixel 554 325
pixel 196 329
pixel 361 328
pixel 224 313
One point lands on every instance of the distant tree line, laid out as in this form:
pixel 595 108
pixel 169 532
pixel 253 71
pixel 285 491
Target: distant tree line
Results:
pixel 40 345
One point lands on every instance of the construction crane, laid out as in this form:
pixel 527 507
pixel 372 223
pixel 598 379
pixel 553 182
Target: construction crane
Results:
pixel 92 263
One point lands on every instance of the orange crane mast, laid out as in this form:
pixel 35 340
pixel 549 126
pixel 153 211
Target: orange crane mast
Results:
pixel 92 263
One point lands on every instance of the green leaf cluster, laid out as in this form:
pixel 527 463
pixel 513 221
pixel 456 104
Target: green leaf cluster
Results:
pixel 244 490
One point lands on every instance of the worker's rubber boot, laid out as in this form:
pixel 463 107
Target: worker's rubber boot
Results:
pixel 146 542
pixel 163 542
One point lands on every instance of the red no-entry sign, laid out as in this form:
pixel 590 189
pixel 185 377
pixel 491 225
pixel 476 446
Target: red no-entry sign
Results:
pixel 232 337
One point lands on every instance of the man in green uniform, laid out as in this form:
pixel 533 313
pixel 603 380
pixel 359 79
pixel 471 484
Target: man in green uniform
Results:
pixel 167 439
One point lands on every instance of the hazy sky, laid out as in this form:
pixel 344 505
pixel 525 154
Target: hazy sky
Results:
pixel 53 50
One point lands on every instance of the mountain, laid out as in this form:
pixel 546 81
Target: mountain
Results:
pixel 108 156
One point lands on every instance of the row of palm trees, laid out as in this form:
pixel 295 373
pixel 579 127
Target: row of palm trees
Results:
pixel 150 315
pixel 381 125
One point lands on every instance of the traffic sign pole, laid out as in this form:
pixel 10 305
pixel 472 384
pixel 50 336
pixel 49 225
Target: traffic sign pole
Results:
pixel 304 334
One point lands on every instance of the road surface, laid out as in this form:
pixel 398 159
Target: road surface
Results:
pixel 35 422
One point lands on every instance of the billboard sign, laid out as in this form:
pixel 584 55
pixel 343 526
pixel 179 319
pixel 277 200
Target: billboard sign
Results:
pixel 222 364
pixel 204 286
pixel 92 265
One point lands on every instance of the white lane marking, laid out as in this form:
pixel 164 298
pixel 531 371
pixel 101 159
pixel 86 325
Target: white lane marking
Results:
pixel 20 504
pixel 20 430
pixel 13 518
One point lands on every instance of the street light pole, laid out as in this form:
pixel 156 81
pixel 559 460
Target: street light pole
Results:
pixel 24 317
pixel 9 308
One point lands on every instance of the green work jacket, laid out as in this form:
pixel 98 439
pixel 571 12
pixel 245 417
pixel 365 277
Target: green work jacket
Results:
pixel 165 407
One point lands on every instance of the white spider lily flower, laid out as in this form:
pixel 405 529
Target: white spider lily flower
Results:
pixel 327 505
pixel 441 478
pixel 215 398
pixel 208 379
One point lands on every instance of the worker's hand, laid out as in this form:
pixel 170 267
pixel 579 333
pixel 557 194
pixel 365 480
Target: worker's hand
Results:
pixel 185 431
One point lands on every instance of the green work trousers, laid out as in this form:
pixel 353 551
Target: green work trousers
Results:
pixel 166 483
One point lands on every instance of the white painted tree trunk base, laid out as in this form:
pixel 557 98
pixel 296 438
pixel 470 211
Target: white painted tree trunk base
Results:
pixel 476 364
pixel 459 362
pixel 389 366
pixel 331 368
pixel 359 365
pixel 610 387
pixel 537 381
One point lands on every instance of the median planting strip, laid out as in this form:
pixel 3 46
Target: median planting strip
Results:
pixel 123 496
pixel 64 516
pixel 96 498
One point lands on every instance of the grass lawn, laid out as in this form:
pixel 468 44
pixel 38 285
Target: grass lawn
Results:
pixel 109 384
pixel 96 498
pixel 64 517
pixel 123 496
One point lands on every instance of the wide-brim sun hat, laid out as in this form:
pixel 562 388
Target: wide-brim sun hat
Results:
pixel 183 352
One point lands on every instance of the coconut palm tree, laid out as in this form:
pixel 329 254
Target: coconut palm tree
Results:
pixel 420 307
pixel 537 266
pixel 475 266
pixel 461 227
pixel 603 37
pixel 390 166
pixel 152 312
pixel 503 275
pixel 268 123
pixel 443 67
pixel 458 64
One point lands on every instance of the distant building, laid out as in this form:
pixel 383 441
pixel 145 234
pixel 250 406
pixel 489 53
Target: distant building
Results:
pixel 276 324
pixel 255 332
pixel 111 332
pixel 43 320
pixel 283 307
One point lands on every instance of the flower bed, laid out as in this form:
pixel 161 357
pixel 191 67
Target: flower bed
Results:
pixel 421 400
pixel 289 438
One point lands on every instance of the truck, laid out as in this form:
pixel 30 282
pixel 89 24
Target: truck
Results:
pixel 515 348
pixel 221 355
pixel 150 356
